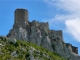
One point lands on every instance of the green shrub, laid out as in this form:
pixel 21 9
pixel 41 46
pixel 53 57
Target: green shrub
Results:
pixel 53 46
pixel 27 55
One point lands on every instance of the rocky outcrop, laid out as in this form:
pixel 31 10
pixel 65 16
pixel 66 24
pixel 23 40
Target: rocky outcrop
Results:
pixel 40 34
pixel 11 40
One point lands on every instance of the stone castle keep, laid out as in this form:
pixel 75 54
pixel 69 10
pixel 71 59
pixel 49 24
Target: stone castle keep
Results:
pixel 40 34
pixel 21 18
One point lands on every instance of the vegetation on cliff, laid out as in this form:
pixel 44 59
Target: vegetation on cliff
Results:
pixel 23 50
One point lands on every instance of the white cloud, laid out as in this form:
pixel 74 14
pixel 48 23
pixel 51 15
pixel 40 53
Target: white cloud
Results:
pixel 73 27
pixel 68 5
pixel 72 19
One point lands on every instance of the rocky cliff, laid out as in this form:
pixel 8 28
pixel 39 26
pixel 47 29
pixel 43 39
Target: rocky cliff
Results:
pixel 40 34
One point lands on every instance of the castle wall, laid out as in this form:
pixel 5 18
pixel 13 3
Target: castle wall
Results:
pixel 59 33
pixel 72 48
pixel 21 17
pixel 34 22
pixel 54 33
pixel 41 24
pixel 69 46
pixel 75 49
pixel 44 24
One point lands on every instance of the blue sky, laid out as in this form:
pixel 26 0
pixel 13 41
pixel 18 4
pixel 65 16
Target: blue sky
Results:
pixel 61 14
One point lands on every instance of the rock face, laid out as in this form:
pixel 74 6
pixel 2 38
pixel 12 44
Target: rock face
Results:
pixel 40 34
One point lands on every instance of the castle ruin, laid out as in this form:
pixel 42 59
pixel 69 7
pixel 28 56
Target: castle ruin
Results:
pixel 38 33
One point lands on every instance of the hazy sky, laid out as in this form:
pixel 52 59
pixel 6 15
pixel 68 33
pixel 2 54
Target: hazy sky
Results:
pixel 61 14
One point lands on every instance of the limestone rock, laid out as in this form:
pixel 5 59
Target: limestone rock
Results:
pixel 47 43
pixel 1 53
pixel 31 55
pixel 22 34
pixel 1 44
pixel 40 34
pixel 12 40
pixel 14 54
pixel 23 49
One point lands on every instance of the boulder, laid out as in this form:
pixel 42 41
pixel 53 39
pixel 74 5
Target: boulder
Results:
pixel 12 40
pixel 14 54
pixel 1 44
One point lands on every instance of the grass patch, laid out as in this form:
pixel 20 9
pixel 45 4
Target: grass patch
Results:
pixel 22 55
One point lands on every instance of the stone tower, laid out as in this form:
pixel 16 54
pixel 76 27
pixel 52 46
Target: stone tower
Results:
pixel 21 18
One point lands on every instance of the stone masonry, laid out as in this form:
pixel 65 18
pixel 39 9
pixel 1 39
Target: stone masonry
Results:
pixel 40 34
pixel 21 18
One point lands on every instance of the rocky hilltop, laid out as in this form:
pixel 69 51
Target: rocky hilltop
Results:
pixel 40 34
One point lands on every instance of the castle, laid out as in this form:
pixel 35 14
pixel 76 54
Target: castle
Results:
pixel 39 33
